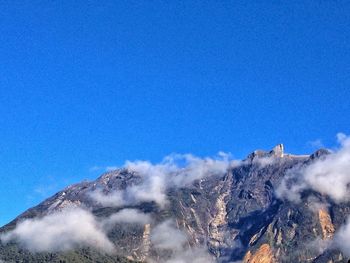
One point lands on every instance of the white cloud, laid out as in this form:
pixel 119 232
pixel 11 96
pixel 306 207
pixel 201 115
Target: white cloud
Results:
pixel 75 227
pixel 265 161
pixel 292 185
pixel 166 236
pixel 342 238
pixel 60 231
pixel 174 171
pixel 112 199
pixel 319 245
pixel 71 228
pixel 195 255
pixel 181 170
pixel 329 175
pixel 129 216
pixel 315 205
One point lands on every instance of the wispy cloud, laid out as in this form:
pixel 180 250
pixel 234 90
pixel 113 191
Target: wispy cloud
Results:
pixel 166 236
pixel 174 171
pixel 63 230
pixel 76 227
pixel 328 175
pixel 113 199
pixel 265 161
pixel 71 228
pixel 129 216
pixel 342 238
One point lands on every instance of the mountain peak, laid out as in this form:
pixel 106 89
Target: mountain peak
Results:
pixel 248 204
pixel 278 150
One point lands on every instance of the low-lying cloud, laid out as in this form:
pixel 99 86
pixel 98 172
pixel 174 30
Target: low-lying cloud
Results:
pixel 112 199
pixel 174 171
pixel 194 255
pixel 340 241
pixel 329 176
pixel 60 231
pixel 130 216
pixel 75 227
pixel 71 228
pixel 265 161
pixel 342 238
pixel 166 236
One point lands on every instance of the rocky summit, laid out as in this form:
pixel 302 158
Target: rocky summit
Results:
pixel 246 213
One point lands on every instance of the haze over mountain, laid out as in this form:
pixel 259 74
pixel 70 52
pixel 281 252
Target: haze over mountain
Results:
pixel 271 206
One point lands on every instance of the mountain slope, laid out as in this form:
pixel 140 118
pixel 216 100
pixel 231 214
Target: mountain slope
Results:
pixel 226 216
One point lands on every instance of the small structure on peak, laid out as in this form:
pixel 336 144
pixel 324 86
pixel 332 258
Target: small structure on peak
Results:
pixel 278 150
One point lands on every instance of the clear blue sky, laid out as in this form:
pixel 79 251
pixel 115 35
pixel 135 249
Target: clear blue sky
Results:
pixel 93 83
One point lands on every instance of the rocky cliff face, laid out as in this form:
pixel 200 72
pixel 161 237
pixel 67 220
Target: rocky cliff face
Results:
pixel 235 216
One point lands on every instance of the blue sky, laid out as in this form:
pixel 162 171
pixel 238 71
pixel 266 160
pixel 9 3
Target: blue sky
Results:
pixel 87 84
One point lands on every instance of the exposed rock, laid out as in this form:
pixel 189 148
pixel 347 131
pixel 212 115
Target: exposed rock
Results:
pixel 263 255
pixel 278 150
pixel 217 225
pixel 236 215
pixel 326 224
pixel 146 243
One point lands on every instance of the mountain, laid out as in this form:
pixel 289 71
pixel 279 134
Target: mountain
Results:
pixel 264 208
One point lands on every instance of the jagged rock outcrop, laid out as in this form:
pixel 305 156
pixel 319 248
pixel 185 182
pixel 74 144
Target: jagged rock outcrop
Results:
pixel 326 224
pixel 278 150
pixel 263 254
pixel 237 215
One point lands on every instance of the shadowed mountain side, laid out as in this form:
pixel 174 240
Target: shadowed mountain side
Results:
pixel 235 215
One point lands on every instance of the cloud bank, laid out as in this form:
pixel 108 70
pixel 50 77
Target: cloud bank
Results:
pixel 130 216
pixel 71 228
pixel 329 176
pixel 166 236
pixel 60 231
pixel 113 199
pixel 75 227
pixel 342 238
pixel 174 171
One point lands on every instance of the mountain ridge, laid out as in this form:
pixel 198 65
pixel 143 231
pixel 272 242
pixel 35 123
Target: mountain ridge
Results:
pixel 234 214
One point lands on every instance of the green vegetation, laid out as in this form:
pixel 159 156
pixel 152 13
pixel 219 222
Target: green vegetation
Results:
pixel 12 253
